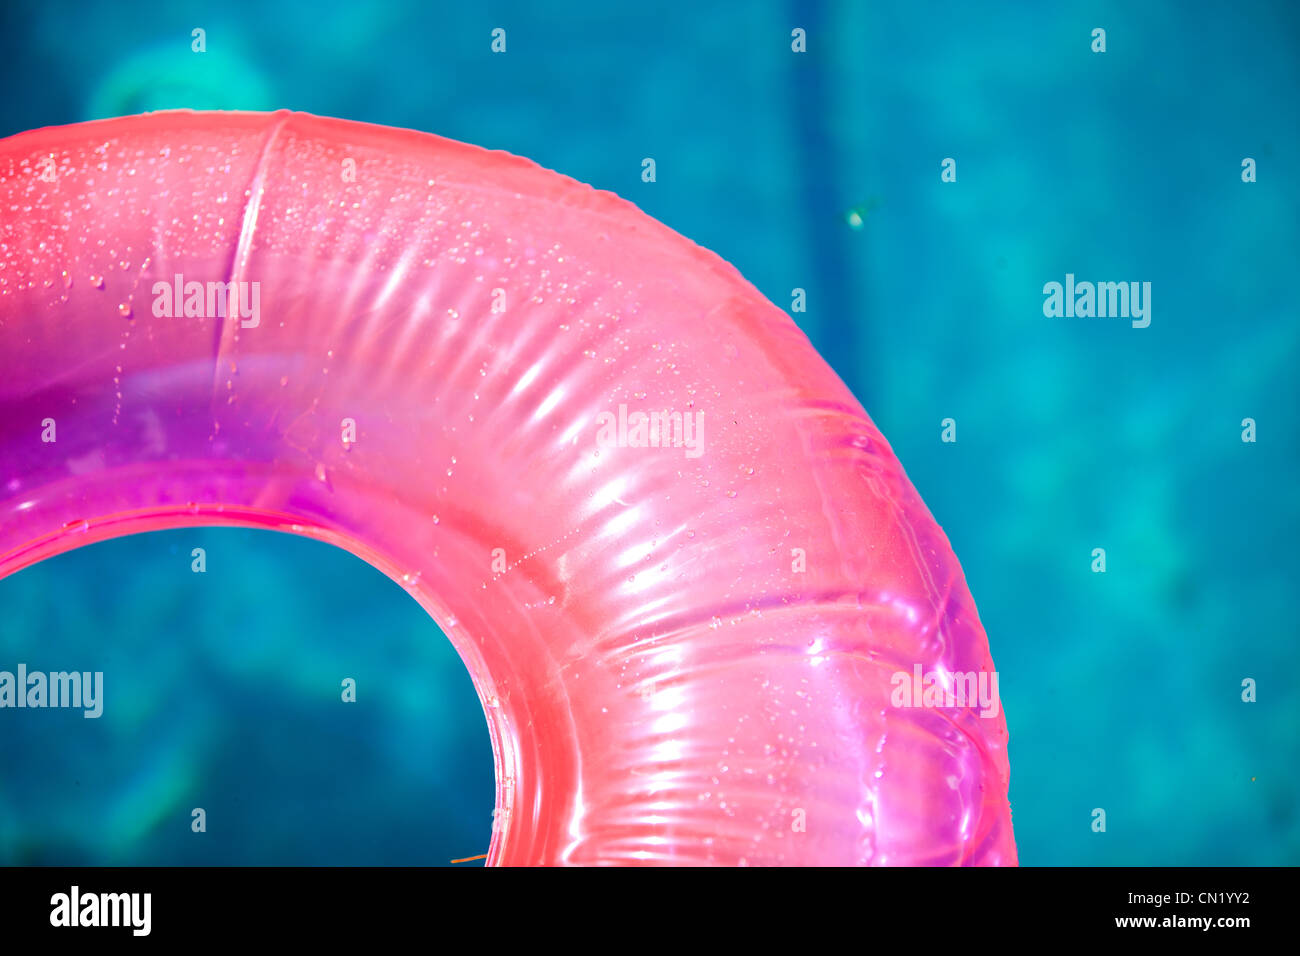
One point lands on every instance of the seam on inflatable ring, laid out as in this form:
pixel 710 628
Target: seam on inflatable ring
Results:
pixel 226 332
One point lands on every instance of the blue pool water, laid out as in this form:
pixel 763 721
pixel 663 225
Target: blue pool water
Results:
pixel 1122 690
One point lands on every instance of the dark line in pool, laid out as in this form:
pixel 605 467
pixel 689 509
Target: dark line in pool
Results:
pixel 830 295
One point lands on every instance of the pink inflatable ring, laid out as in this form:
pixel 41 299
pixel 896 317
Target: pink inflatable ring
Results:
pixel 709 618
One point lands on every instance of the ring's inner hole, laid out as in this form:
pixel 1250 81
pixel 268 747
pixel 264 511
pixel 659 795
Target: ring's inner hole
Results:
pixel 223 690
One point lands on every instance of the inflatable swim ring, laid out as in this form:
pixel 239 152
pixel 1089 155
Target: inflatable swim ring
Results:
pixel 681 564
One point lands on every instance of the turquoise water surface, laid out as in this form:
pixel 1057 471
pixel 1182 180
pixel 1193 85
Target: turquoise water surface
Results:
pixel 819 171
